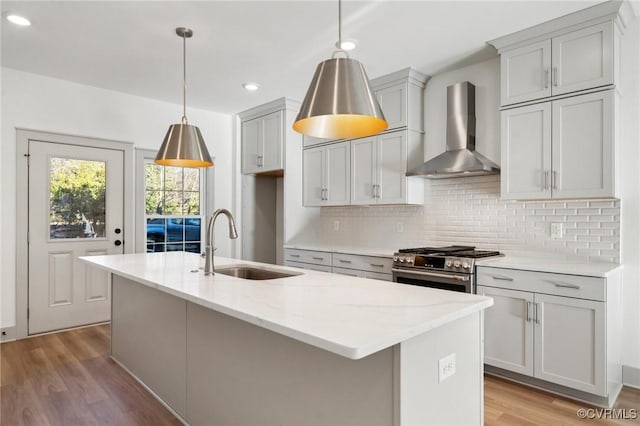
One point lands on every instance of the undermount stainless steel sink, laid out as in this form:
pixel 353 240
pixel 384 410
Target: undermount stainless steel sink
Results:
pixel 253 273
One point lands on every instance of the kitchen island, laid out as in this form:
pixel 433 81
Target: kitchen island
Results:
pixel 310 349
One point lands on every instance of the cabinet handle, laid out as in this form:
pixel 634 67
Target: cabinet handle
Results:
pixel 546 78
pixel 546 180
pixel 294 255
pixel 501 278
pixel 317 258
pixel 528 311
pixel 554 179
pixel 344 261
pixel 554 78
pixel 536 315
pixel 377 265
pixel 326 194
pixel 373 191
pixel 565 285
pixel 260 162
pixel 379 191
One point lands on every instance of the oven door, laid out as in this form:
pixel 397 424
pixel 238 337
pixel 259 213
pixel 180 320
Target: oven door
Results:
pixel 443 280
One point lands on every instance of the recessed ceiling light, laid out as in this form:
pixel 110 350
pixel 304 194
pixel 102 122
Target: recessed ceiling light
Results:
pixel 18 20
pixel 348 44
pixel 251 87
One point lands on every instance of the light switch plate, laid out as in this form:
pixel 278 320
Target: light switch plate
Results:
pixel 556 230
pixel 336 225
pixel 399 227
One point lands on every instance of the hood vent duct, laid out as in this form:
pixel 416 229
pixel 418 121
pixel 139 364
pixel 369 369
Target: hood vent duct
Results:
pixel 461 158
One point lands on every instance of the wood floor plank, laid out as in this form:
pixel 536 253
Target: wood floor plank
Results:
pixel 67 378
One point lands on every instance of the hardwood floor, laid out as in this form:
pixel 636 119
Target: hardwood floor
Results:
pixel 67 379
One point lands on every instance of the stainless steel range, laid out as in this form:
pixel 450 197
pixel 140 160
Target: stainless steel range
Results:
pixel 448 268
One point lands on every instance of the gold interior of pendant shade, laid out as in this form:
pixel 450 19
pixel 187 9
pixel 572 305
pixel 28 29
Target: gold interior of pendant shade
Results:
pixel 341 126
pixel 340 103
pixel 183 146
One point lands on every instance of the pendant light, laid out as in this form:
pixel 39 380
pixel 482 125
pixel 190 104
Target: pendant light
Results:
pixel 340 103
pixel 183 145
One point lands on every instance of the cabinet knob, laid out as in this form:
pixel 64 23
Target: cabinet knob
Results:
pixel 117 243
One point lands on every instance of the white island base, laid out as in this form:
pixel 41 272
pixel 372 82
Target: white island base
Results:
pixel 213 369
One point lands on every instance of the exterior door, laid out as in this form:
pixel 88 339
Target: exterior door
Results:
pixel 76 207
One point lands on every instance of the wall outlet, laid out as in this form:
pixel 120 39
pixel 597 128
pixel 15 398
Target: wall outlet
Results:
pixel 556 230
pixel 446 367
pixel 399 227
pixel 336 225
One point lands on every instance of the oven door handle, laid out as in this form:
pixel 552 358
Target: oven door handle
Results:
pixel 433 274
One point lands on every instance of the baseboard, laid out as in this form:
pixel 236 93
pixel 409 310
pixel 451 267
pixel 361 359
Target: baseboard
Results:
pixel 631 376
pixel 7 334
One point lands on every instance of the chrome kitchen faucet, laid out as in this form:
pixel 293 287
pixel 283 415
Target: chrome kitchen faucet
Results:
pixel 208 251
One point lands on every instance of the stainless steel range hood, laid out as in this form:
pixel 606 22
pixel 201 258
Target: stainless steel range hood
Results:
pixel 461 158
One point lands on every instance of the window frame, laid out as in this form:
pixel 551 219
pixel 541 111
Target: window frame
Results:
pixel 144 156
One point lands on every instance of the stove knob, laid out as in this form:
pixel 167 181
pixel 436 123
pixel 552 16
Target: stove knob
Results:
pixel 466 265
pixel 395 258
pixel 456 264
pixel 449 264
pixel 402 260
pixel 411 260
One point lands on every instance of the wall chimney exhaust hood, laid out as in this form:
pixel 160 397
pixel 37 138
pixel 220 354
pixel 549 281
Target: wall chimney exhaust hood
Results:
pixel 460 158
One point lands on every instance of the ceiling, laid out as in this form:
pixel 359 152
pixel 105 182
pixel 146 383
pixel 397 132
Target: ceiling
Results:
pixel 132 47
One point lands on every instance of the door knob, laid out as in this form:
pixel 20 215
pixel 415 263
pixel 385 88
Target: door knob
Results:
pixel 117 242
pixel 117 230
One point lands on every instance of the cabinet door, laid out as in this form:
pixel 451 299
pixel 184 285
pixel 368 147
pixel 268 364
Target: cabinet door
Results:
pixel 337 174
pixel 583 146
pixel 526 73
pixel 393 102
pixel 391 168
pixel 363 170
pixel 271 147
pixel 583 59
pixel 508 330
pixel 570 344
pixel 526 152
pixel 251 141
pixel 312 185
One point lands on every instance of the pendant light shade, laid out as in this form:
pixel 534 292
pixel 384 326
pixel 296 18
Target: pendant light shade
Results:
pixel 340 103
pixel 183 145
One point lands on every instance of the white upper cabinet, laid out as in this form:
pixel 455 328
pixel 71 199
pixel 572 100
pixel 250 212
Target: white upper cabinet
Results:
pixel 378 169
pixel 582 59
pixel 262 144
pixel 393 102
pixel 565 63
pixel 559 149
pixel 526 73
pixel 583 146
pixel 326 175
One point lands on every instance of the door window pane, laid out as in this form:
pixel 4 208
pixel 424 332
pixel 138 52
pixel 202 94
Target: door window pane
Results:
pixel 77 198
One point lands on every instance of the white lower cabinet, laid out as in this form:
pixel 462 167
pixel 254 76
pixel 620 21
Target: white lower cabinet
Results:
pixel 374 267
pixel 560 329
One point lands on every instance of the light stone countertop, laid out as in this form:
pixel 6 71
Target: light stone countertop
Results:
pixel 349 316
pixel 549 264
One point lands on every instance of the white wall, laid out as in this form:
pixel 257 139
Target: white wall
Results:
pixel 40 103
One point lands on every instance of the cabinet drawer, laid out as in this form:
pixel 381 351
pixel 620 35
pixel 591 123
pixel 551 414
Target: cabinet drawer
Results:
pixel 308 266
pixel 363 274
pixel 576 286
pixel 308 256
pixel 365 263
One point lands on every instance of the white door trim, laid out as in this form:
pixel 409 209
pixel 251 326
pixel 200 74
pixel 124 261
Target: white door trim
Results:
pixel 22 207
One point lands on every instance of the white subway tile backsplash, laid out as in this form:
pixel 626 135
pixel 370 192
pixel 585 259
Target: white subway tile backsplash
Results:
pixel 469 211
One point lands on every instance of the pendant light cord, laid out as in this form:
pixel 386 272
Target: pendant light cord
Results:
pixel 184 79
pixel 339 49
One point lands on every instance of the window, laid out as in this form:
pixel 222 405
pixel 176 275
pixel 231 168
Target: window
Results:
pixel 172 197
